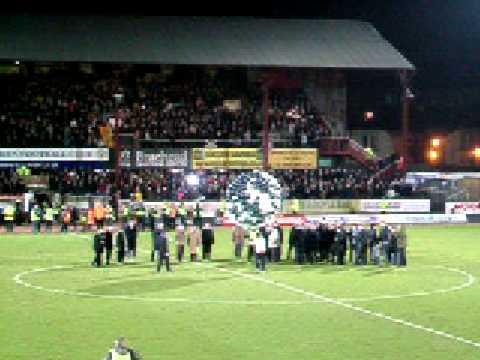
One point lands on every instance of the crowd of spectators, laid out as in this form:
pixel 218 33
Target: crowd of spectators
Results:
pixel 67 109
pixel 162 184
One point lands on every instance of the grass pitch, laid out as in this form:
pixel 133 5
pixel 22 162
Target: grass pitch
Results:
pixel 61 308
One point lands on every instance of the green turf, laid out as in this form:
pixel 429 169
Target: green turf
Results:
pixel 200 312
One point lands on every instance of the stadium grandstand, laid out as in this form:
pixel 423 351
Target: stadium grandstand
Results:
pixel 276 89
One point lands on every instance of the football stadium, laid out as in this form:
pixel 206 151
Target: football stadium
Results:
pixel 231 188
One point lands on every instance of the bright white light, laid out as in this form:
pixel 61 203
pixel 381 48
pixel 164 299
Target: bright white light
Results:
pixel 17 62
pixel 192 180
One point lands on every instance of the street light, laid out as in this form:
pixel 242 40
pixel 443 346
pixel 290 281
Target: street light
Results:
pixel 433 155
pixel 435 142
pixel 476 152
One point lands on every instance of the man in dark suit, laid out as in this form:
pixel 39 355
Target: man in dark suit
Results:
pixel 385 240
pixel 208 239
pixel 120 244
pixel 109 243
pixel 161 247
pixel 310 242
pixel 372 238
pixel 292 240
pixel 300 244
pixel 98 246
pixel 131 235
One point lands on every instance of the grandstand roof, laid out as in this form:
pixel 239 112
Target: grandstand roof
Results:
pixel 344 44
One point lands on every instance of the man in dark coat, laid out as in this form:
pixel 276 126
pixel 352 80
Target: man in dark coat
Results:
pixel 208 239
pixel 280 234
pixel 120 244
pixel 310 242
pixel 292 239
pixel 372 238
pixel 109 243
pixel 300 244
pixel 393 247
pixel 385 240
pixel 98 246
pixel 131 235
pixel 161 247
pixel 330 242
pixel 322 243
pixel 402 246
pixel 339 246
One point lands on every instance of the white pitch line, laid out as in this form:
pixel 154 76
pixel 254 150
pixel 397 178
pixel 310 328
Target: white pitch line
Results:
pixel 351 307
pixel 18 279
pixel 470 280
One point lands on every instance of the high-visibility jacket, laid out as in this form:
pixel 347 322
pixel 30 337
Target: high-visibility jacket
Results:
pixel 117 356
pixel 67 217
pixel 9 213
pixel 295 205
pixel 91 217
pixel 99 213
pixel 182 211
pixel 49 214
pixel 34 215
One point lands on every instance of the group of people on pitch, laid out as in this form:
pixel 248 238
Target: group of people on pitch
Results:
pixel 125 243
pixel 311 242
pixel 341 243
pixel 194 235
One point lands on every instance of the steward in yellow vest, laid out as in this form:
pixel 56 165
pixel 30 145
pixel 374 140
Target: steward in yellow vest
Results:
pixel 120 351
pixel 49 218
pixel 9 217
pixel 35 218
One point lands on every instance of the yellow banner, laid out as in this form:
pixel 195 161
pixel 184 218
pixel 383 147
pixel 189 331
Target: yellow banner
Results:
pixel 294 159
pixel 227 158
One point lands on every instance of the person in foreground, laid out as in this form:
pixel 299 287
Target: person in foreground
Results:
pixel 121 351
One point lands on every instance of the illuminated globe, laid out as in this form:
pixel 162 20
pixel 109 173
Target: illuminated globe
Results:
pixel 253 199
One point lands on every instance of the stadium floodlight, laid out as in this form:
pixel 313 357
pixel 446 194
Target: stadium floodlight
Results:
pixel 433 155
pixel 192 180
pixel 476 152
pixel 435 142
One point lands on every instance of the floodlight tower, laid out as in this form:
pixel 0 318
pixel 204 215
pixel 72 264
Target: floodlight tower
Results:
pixel 406 97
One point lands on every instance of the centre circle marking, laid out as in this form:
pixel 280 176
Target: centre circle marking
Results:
pixel 18 278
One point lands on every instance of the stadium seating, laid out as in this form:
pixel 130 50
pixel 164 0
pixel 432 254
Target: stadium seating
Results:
pixel 68 108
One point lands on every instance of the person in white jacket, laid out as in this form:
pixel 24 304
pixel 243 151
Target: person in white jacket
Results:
pixel 260 249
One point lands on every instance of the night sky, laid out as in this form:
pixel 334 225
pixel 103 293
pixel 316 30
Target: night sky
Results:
pixel 441 37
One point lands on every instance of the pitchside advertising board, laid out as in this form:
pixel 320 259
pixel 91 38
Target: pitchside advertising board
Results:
pixel 345 206
pixel 159 158
pixel 395 206
pixel 209 208
pixel 227 158
pixel 377 218
pixel 320 206
pixel 54 157
pixel 467 208
pixel 252 158
pixel 294 159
